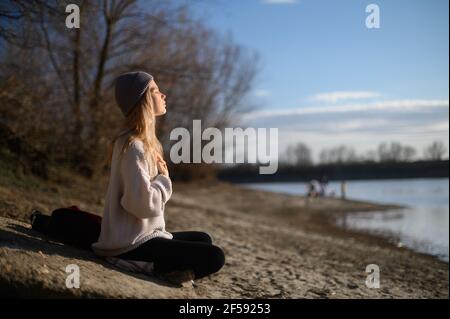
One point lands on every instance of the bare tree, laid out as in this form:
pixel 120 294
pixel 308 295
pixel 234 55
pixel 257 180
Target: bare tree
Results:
pixel 370 156
pixel 408 153
pixel 435 151
pixel 299 154
pixel 13 12
pixel 69 91
pixel 395 152
pixel 339 154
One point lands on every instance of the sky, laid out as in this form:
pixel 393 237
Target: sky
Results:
pixel 325 79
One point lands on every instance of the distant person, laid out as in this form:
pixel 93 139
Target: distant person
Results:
pixel 343 189
pixel 133 225
pixel 312 190
pixel 323 185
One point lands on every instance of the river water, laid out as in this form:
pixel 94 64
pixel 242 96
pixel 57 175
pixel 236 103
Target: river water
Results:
pixel 423 225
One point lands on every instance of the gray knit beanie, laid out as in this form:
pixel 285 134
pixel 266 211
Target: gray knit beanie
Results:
pixel 130 87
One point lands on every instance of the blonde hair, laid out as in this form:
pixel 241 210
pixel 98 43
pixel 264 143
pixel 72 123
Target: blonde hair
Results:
pixel 141 122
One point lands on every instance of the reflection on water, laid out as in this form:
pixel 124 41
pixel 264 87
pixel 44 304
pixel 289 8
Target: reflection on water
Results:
pixel 422 226
pixel 422 229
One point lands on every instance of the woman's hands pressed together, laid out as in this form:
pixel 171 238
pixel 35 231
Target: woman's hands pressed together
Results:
pixel 162 166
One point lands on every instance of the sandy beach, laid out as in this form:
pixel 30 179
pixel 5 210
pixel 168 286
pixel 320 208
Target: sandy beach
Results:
pixel 283 246
pixel 277 246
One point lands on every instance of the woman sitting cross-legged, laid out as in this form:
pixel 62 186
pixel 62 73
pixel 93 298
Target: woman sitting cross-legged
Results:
pixel 133 225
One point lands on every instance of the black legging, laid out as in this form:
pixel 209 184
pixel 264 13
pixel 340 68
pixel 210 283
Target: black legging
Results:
pixel 188 250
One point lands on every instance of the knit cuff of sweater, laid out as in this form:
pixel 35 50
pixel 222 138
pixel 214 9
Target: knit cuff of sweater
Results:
pixel 165 184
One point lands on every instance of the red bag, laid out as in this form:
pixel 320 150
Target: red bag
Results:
pixel 69 225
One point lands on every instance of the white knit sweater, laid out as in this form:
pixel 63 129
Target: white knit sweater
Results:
pixel 135 200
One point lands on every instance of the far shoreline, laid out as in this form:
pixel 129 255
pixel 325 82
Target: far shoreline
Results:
pixel 329 219
pixel 247 173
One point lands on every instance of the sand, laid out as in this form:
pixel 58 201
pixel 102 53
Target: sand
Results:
pixel 276 246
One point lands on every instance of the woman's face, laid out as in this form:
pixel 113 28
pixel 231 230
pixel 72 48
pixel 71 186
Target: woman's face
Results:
pixel 159 99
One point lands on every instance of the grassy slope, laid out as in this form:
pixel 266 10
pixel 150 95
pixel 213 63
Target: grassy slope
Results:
pixel 21 192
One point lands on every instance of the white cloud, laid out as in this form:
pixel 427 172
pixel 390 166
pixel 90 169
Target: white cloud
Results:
pixel 261 93
pixel 363 126
pixel 387 106
pixel 279 1
pixel 333 97
pixel 438 126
